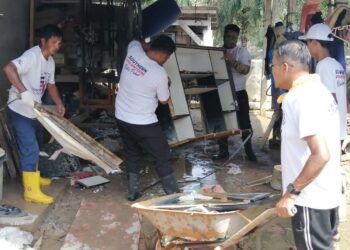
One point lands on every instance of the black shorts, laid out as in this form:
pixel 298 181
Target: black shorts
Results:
pixel 312 228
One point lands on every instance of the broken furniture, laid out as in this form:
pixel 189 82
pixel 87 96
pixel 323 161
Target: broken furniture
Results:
pixel 76 142
pixel 191 228
pixel 201 72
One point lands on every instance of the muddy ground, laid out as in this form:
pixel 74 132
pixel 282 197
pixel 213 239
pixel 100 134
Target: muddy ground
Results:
pixel 192 160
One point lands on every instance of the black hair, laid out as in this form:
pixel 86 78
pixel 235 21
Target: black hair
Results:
pixel 50 30
pixel 325 44
pixel 163 43
pixel 317 18
pixel 232 27
pixel 294 51
pixel 278 24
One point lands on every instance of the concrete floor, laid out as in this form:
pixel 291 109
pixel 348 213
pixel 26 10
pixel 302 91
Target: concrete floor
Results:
pixel 103 219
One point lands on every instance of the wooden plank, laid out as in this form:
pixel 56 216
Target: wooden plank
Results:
pixel 198 90
pixel 76 142
pixel 9 163
pixel 8 142
pixel 211 136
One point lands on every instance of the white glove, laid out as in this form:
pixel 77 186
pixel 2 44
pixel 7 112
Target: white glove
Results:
pixel 27 98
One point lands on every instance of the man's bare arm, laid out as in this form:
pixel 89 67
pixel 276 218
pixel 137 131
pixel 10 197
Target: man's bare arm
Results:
pixel 313 167
pixel 11 73
pixel 316 162
pixel 54 94
pixel 237 65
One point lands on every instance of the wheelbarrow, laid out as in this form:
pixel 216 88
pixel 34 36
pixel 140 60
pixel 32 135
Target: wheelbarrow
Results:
pixel 178 228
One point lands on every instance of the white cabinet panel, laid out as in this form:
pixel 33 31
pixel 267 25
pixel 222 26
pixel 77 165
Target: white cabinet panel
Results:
pixel 226 98
pixel 218 64
pixel 184 128
pixel 231 120
pixel 196 60
pixel 176 89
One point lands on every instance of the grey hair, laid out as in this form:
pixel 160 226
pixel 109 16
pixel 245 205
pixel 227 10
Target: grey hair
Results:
pixel 294 51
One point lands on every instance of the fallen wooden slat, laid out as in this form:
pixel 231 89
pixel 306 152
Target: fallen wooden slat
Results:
pixel 9 144
pixel 76 142
pixel 211 136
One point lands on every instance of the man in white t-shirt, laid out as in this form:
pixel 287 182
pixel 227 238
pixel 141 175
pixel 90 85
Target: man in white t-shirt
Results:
pixel 310 148
pixel 143 84
pixel 30 75
pixel 332 74
pixel 239 59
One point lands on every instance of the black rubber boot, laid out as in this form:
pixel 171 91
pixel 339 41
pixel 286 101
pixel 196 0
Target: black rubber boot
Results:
pixel 133 186
pixel 223 150
pixel 169 184
pixel 249 151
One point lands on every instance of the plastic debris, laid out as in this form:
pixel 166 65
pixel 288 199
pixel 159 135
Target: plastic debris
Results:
pixel 234 169
pixel 14 238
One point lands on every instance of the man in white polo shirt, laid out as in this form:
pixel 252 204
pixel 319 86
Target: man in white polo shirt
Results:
pixel 143 84
pixel 310 148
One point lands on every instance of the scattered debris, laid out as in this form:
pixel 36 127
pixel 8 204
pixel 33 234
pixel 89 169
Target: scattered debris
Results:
pixel 63 165
pixel 258 182
pixel 194 196
pixel 14 238
pixel 14 216
pixel 212 189
pixel 93 181
pixel 234 169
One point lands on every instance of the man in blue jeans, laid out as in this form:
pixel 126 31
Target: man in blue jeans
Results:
pixel 30 75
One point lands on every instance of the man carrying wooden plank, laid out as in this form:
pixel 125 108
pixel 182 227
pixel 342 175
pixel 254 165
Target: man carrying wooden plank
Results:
pixel 30 75
pixel 144 83
pixel 310 148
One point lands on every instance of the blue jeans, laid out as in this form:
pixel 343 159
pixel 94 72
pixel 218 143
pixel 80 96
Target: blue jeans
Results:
pixel 28 132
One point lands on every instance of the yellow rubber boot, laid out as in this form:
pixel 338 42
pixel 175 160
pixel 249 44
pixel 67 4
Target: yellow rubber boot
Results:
pixel 32 192
pixel 44 181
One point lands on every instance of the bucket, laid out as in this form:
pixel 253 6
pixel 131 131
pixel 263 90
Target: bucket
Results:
pixel 159 16
pixel 2 159
pixel 276 181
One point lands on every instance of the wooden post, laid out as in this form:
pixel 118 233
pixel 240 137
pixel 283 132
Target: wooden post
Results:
pixel 31 23
pixel 267 22
pixel 291 12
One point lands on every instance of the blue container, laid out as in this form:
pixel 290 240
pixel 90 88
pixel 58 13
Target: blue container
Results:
pixel 159 16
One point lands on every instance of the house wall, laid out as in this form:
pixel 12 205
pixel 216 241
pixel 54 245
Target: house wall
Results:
pixel 14 27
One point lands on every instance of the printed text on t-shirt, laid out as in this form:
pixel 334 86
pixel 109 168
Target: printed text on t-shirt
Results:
pixel 134 67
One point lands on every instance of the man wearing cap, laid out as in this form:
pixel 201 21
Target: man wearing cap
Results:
pixel 310 148
pixel 318 39
pixel 332 74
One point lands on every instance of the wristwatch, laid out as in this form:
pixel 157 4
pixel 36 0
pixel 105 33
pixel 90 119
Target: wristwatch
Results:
pixel 291 189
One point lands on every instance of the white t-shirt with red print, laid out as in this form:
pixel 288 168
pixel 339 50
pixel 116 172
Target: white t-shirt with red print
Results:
pixel 333 76
pixel 143 82
pixel 35 73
